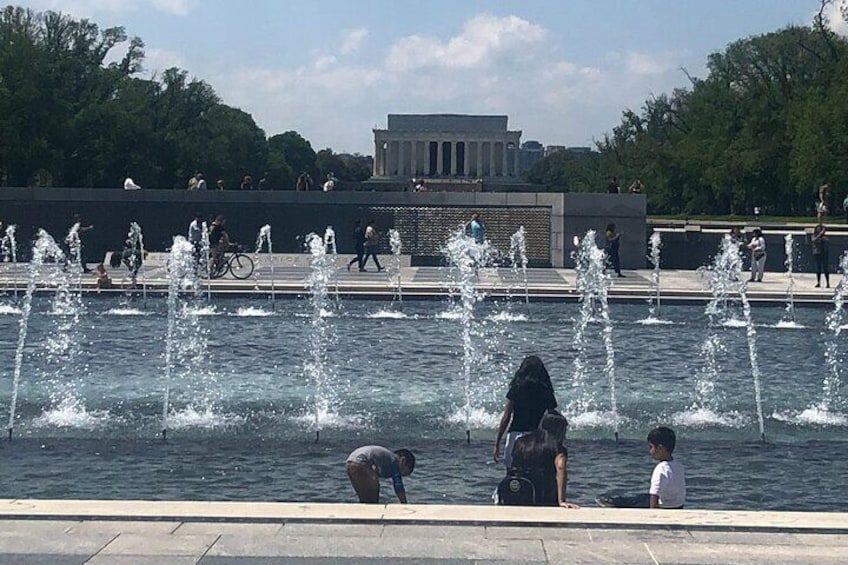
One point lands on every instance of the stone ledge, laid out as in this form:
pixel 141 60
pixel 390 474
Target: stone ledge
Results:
pixel 276 512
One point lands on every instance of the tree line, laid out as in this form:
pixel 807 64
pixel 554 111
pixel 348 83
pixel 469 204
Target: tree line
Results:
pixel 69 118
pixel 765 128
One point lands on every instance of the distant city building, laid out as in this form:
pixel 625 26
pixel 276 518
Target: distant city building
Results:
pixel 579 150
pixel 553 149
pixel 446 146
pixel 531 153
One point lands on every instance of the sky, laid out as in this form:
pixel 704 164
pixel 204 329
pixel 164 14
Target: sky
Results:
pixel 562 70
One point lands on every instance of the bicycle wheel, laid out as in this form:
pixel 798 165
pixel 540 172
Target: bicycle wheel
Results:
pixel 241 266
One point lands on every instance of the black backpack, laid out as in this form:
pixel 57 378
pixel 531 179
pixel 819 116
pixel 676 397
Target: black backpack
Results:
pixel 516 490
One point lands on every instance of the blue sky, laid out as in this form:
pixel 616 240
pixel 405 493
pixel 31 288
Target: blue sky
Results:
pixel 563 70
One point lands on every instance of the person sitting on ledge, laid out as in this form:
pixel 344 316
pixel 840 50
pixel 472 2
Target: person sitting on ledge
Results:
pixel 103 278
pixel 368 464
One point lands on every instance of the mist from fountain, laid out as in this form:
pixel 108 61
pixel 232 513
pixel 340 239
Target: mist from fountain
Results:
pixel 518 258
pixel 330 246
pixel 46 254
pixel 206 255
pixel 263 242
pixel 593 284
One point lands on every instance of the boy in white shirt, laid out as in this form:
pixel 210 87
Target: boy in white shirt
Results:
pixel 668 481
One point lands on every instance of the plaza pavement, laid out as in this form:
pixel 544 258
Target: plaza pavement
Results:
pixel 287 275
pixel 140 532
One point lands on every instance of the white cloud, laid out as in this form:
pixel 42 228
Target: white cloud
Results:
pixel 493 65
pixel 353 40
pixel 651 63
pixel 90 8
pixel 157 60
pixel 482 39
pixel 834 16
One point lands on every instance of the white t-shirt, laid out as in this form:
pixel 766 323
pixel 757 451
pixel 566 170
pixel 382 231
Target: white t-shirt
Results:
pixel 130 185
pixel 669 483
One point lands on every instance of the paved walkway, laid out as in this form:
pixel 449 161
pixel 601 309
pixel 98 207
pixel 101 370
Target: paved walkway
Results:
pixel 133 532
pixel 289 276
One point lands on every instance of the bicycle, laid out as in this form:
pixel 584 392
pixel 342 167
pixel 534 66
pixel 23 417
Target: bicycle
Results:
pixel 235 262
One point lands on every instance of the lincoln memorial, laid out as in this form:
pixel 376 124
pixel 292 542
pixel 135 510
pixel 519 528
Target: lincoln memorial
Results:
pixel 446 146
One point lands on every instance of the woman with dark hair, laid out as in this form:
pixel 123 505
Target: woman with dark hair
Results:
pixel 541 457
pixel 530 394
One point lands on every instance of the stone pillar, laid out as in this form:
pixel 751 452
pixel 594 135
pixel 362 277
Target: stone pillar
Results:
pixel 378 152
pixel 492 171
pixel 399 161
pixel 453 158
pixel 440 158
pixel 413 158
pixel 504 168
pixel 466 164
pixel 515 161
pixel 479 170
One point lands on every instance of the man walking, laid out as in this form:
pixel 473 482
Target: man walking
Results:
pixel 372 242
pixel 358 246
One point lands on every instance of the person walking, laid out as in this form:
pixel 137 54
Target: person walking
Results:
pixel 613 243
pixel 758 256
pixel 358 246
pixel 372 242
pixel 820 255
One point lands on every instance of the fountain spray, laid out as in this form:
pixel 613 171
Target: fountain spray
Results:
pixel 654 258
pixel 44 251
pixel 518 257
pixel 263 240
pixel 10 252
pixel 834 323
pixel 137 260
pixel 396 246
pixel 317 367
pixel 790 290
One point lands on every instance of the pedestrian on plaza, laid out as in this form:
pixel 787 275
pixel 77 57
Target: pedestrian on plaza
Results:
pixel 758 256
pixel 845 208
pixel 195 237
pixel 476 228
pixel 637 187
pixel 820 254
pixel 104 281
pixel 192 182
pixel 201 182
pixel 220 184
pixel 81 233
pixel 246 183
pixel 358 246
pixel 530 394
pixel 372 243
pixel 263 182
pixel 612 247
pixel 129 184
pixel 821 205
pixel 613 187
pixel 368 464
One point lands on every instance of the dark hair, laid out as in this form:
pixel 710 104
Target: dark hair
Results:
pixel 554 425
pixel 198 215
pixel 538 449
pixel 663 436
pixel 610 226
pixel 758 232
pixel 532 370
pixel 408 455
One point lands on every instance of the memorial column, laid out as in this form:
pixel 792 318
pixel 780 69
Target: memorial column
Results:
pixel 466 163
pixel 492 172
pixel 378 150
pixel 479 170
pixel 504 168
pixel 413 158
pixel 453 157
pixel 440 158
pixel 515 161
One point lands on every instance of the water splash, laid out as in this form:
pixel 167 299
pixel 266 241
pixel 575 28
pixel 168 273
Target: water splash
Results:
pixel 317 367
pixel 593 285
pixel 71 413
pixel 466 257
pixel 395 271
pixel 45 254
pixel 252 312
pixel 186 341
pixel 654 258
pixel 387 315
pixel 9 252
pixel 789 249
pixel 518 257
pixel 834 343
pixel 263 242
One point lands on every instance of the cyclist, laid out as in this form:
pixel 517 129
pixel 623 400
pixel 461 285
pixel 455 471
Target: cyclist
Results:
pixel 219 243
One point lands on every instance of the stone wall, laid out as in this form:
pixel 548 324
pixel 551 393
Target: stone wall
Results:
pixel 551 219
